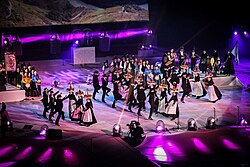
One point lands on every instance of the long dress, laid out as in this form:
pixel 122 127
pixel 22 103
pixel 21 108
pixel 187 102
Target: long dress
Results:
pixel 198 88
pixel 72 104
pixel 163 101
pixel 88 116
pixel 172 108
pixel 76 114
pixel 213 92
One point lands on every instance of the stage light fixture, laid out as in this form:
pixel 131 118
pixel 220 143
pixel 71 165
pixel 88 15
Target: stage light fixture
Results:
pixel 117 130
pixel 160 126
pixel 235 33
pixel 6 41
pixel 77 42
pixel 192 124
pixel 150 32
pixel 243 121
pixel 210 123
pixel 43 130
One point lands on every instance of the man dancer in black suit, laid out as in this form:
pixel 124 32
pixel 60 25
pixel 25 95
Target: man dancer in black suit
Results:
pixel 141 97
pixel 45 101
pixel 105 89
pixel 58 108
pixel 96 84
pixel 52 103
pixel 185 86
pixel 152 97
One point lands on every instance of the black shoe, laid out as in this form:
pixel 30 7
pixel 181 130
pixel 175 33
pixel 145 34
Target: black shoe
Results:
pixel 172 119
pixel 197 97
pixel 45 117
pixel 57 124
pixel 103 101
pixel 113 106
pixel 50 120
pixel 130 110
pixel 107 94
pixel 139 114
pixel 94 99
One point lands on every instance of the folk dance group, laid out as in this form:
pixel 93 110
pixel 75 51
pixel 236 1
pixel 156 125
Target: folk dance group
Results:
pixel 135 81
pixel 53 103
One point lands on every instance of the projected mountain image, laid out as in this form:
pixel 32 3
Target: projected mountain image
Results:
pixel 24 13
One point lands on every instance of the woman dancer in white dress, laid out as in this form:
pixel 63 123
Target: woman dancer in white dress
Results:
pixel 213 92
pixel 198 89
pixel 172 109
pixel 88 117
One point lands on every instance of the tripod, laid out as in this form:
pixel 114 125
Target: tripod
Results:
pixel 178 128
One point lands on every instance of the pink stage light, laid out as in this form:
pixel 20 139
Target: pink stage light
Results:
pixel 24 154
pixel 45 157
pixel 201 146
pixel 160 154
pixel 235 33
pixel 70 157
pixel 4 151
pixel 230 145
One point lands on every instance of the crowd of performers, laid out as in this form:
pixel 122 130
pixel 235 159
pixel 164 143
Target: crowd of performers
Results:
pixel 77 110
pixel 25 77
pixel 136 80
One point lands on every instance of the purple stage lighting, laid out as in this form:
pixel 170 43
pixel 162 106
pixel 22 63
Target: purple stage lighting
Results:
pixel 116 130
pixel 6 40
pixel 45 157
pixel 160 126
pixel 70 157
pixel 43 130
pixel 235 33
pixel 160 154
pixel 243 121
pixel 24 154
pixel 246 34
pixel 150 32
pixel 76 42
pixel 201 146
pixel 102 34
pixel 230 145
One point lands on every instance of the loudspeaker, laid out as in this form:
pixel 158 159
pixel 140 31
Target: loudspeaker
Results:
pixel 54 134
pixel 104 44
pixel 55 47
pixel 17 48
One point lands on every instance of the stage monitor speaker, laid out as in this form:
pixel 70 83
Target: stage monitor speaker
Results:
pixel 17 48
pixel 54 134
pixel 55 47
pixel 104 44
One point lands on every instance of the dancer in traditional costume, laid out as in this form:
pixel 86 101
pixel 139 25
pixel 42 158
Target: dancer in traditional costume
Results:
pixel 172 109
pixel 213 92
pixel 88 118
pixel 198 88
pixel 76 114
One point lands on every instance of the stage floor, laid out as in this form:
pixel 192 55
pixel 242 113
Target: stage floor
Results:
pixel 30 112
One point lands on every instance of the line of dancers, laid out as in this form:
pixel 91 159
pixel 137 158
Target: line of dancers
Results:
pixel 135 80
pixel 53 104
